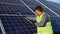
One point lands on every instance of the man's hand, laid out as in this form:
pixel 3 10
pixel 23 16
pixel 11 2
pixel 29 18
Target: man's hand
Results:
pixel 24 16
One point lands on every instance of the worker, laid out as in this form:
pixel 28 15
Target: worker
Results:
pixel 42 21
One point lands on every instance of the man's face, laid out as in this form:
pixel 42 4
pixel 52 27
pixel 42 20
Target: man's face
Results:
pixel 38 12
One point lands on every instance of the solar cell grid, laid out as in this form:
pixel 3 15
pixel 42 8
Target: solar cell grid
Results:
pixel 11 1
pixel 12 9
pixel 17 25
pixel 51 5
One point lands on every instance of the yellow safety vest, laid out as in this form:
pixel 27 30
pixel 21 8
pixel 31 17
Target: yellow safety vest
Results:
pixel 44 30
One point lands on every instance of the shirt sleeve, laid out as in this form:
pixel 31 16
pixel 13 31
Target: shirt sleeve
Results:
pixel 43 21
pixel 31 18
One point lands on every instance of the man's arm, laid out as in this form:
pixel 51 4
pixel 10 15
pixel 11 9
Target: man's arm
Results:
pixel 43 21
pixel 33 19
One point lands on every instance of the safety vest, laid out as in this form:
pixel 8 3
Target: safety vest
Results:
pixel 46 29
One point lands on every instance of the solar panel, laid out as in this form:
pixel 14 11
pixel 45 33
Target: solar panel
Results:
pixel 55 23
pixel 51 5
pixel 11 1
pixel 17 25
pixel 14 9
pixel 31 3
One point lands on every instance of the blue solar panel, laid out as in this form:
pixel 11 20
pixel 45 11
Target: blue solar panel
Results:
pixel 51 5
pixel 17 25
pixel 31 3
pixel 13 9
pixel 55 23
pixel 11 1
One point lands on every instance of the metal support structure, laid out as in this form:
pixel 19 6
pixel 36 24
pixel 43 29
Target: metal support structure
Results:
pixel 2 28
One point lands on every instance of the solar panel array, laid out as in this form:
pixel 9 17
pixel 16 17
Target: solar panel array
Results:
pixel 14 9
pixel 15 24
pixel 54 6
pixel 18 24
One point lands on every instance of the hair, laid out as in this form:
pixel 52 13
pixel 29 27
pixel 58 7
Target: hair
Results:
pixel 39 8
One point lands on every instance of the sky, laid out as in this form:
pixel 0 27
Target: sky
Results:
pixel 56 1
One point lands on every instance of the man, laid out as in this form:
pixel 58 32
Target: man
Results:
pixel 43 21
